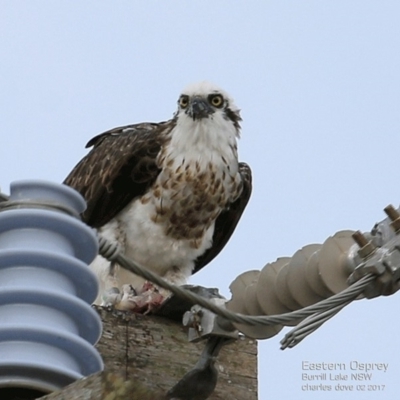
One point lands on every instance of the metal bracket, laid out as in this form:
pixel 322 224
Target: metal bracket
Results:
pixel 203 323
pixel 200 381
pixel 382 261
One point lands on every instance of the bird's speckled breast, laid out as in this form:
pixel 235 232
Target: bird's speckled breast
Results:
pixel 191 192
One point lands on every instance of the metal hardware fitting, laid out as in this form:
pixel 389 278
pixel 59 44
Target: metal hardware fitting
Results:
pixel 203 323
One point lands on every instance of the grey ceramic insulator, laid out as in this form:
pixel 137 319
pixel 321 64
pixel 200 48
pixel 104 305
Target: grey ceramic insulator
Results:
pixel 47 326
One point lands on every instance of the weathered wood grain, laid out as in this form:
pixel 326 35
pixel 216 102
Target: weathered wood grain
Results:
pixel 145 356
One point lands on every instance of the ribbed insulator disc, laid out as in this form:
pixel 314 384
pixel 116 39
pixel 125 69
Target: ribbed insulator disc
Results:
pixel 244 301
pixel 266 292
pixel 297 283
pixel 333 265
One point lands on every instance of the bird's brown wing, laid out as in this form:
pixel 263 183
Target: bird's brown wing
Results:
pixel 121 166
pixel 227 220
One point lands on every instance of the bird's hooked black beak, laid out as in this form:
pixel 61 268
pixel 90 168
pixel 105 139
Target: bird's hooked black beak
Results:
pixel 199 108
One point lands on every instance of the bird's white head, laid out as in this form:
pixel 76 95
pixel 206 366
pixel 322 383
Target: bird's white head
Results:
pixel 205 105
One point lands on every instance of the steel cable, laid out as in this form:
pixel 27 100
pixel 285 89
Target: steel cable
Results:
pixel 312 316
pixel 318 313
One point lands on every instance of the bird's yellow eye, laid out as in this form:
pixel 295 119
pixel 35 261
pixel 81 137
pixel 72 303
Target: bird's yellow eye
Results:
pixel 184 101
pixel 216 100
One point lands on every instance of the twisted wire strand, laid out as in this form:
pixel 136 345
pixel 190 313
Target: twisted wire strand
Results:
pixel 308 326
pixel 112 252
pixel 313 322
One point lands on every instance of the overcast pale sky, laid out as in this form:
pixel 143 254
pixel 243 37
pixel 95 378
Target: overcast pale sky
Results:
pixel 319 88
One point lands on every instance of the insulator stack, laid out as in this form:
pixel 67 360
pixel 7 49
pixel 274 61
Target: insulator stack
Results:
pixel 313 273
pixel 47 326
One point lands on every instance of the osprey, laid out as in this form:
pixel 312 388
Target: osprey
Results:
pixel 170 193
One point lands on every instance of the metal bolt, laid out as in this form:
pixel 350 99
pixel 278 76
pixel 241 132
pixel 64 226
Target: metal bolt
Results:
pixel 366 246
pixel 359 238
pixel 394 216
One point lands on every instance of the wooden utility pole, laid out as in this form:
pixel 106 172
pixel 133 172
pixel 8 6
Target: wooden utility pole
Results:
pixel 145 356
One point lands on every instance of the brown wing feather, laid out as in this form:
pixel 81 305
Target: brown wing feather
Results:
pixel 227 220
pixel 120 167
